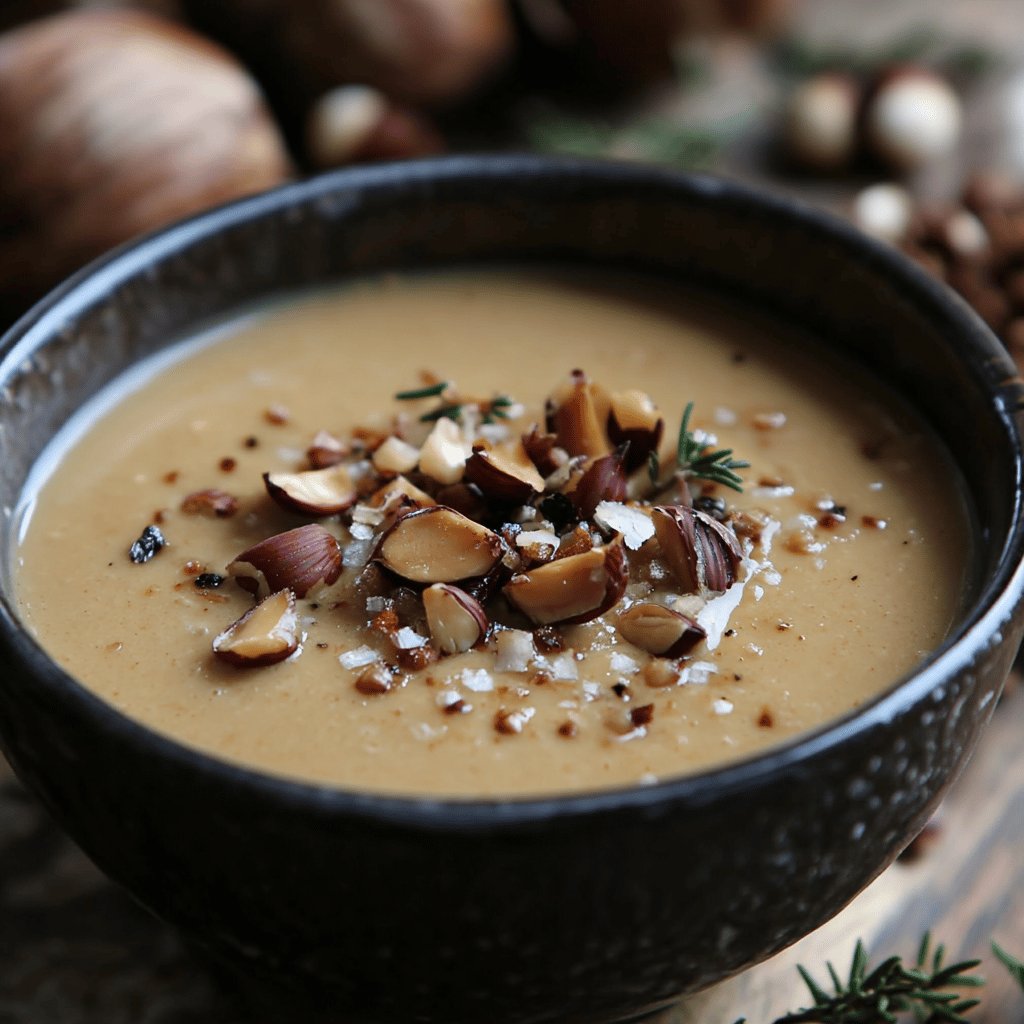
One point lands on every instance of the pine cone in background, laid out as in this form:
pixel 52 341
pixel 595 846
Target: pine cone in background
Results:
pixel 116 123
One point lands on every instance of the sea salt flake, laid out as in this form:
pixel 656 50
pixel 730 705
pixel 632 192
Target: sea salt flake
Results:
pixel 563 666
pixel 478 680
pixel 358 657
pixel 622 663
pixel 406 639
pixel 722 706
pixel 356 554
pixel 376 603
pixel 361 531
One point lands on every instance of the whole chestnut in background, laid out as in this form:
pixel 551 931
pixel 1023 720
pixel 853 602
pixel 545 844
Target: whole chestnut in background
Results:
pixel 420 52
pixel 117 122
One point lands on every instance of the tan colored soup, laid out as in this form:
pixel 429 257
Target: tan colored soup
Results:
pixel 831 609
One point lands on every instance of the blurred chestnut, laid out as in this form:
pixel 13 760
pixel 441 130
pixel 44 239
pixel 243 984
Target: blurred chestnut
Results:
pixel 117 122
pixel 416 51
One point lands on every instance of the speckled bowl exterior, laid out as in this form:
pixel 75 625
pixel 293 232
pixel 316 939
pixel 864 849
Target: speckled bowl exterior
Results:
pixel 586 908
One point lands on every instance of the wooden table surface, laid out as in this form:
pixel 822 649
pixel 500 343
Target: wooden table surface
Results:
pixel 74 949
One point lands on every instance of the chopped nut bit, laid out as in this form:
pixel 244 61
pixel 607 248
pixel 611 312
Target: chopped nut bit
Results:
pixel 192 567
pixel 873 523
pixel 659 672
pixel 171 477
pixel 227 464
pixel 277 414
pixel 548 640
pixel 766 720
pixel 768 420
pixel 568 729
pixel 150 541
pixel 413 659
pixel 251 441
pixel 512 722
pixel 210 502
pixel 642 715
pixel 264 635
pixel 375 679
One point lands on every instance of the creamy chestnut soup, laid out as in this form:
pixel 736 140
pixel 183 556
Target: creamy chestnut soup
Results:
pixel 389 539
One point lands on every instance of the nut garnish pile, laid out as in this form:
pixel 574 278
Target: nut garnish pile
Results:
pixel 456 529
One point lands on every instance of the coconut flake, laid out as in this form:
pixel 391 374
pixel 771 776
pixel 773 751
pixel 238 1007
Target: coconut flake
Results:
pixel 635 526
pixel 358 657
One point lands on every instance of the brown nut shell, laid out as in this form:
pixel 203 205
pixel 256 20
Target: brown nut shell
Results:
pixel 456 620
pixel 439 545
pixel 603 480
pixel 505 475
pixel 314 492
pixel 571 590
pixel 703 554
pixel 298 560
pixel 266 634
pixel 633 418
pixel 660 630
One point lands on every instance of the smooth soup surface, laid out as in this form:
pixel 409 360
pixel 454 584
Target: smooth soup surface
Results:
pixel 831 609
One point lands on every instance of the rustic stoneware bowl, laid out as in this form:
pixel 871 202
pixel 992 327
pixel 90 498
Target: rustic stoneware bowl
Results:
pixel 584 908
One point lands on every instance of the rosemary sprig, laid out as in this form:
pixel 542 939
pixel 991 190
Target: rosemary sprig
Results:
pixel 452 411
pixel 693 461
pixel 929 990
pixel 1011 963
pixel 431 391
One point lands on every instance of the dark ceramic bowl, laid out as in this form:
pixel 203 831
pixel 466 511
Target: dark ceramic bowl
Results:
pixel 584 908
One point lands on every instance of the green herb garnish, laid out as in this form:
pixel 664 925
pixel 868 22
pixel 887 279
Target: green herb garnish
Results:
pixel 431 391
pixel 692 460
pixel 1011 963
pixel 452 412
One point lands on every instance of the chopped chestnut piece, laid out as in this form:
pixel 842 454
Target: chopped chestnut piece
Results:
pixel 265 634
pixel 579 416
pixel 634 418
pixel 703 554
pixel 299 560
pixel 316 492
pixel 444 453
pixel 374 680
pixel 326 450
pixel 211 502
pixel 400 491
pixel 540 449
pixel 505 475
pixel 455 619
pixel 573 589
pixel 660 630
pixel 395 456
pixel 439 545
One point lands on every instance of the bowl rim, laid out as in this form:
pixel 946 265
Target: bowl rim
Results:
pixel 978 627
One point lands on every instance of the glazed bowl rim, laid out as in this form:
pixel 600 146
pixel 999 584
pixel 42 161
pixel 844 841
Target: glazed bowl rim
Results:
pixel 976 628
